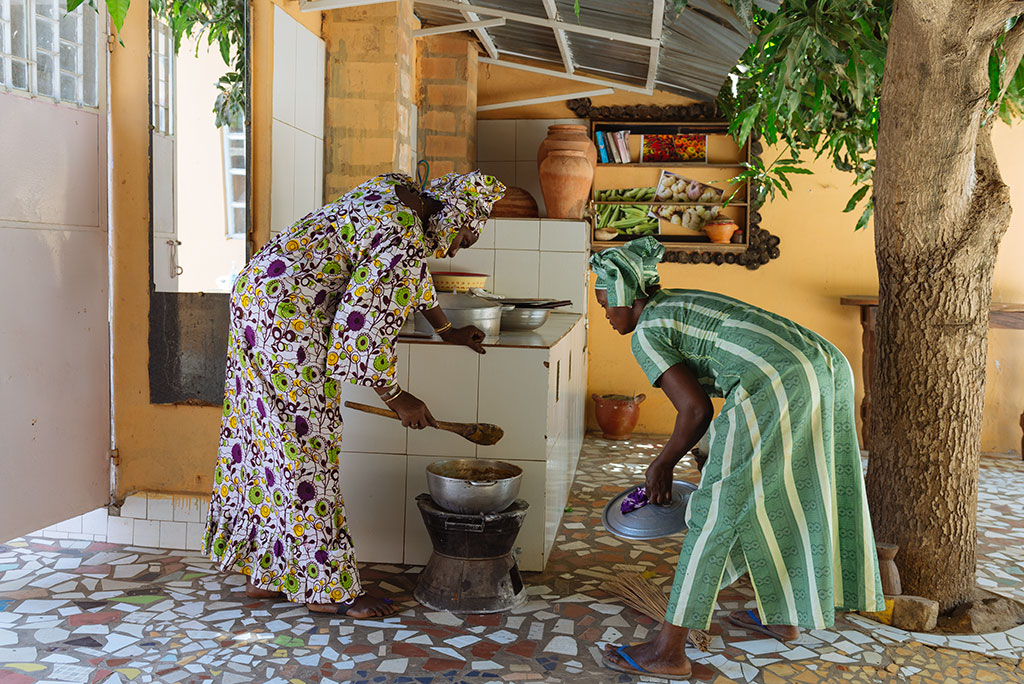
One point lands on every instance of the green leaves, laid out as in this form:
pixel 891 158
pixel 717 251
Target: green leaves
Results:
pixel 857 197
pixel 118 10
pixel 811 84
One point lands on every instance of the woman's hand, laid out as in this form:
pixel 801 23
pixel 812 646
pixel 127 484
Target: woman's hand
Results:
pixel 413 412
pixel 469 336
pixel 659 481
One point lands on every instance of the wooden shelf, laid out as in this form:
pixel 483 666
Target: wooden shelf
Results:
pixel 689 246
pixel 673 165
pixel 675 204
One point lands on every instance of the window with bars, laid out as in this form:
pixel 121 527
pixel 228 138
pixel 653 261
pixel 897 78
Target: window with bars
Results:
pixel 162 68
pixel 234 176
pixel 49 52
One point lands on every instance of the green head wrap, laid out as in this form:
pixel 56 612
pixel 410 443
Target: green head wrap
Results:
pixel 629 271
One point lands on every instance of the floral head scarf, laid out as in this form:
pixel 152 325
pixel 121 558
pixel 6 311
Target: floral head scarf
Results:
pixel 629 271
pixel 468 199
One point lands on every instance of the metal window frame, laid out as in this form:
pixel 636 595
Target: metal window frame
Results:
pixel 32 49
pixel 229 134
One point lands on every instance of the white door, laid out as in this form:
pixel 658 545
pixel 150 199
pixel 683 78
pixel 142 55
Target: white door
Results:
pixel 166 268
pixel 54 342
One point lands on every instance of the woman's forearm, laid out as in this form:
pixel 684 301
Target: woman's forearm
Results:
pixel 689 427
pixel 436 317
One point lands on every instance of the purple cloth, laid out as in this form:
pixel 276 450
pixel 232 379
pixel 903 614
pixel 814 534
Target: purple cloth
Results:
pixel 634 500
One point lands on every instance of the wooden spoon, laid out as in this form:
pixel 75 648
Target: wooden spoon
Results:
pixel 484 434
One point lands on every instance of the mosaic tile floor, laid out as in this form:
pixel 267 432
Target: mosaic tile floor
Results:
pixel 84 611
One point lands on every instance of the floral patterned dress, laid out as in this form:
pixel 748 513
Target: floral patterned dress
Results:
pixel 320 305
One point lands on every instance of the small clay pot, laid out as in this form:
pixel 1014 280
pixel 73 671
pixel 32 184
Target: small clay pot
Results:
pixel 617 414
pixel 887 569
pixel 517 203
pixel 720 230
pixel 565 179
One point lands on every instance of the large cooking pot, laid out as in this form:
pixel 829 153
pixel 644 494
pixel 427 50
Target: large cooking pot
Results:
pixel 463 310
pixel 473 485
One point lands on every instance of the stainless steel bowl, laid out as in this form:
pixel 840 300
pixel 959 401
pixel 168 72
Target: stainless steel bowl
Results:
pixel 519 318
pixel 463 310
pixel 473 485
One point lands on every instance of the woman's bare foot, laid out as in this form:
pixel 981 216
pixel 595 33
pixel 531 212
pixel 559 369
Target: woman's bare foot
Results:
pixel 252 591
pixel 366 606
pixel 665 654
pixel 752 620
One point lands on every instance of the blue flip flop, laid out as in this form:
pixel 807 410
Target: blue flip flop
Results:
pixel 621 652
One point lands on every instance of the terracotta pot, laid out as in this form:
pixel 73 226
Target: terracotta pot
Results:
pixel 617 414
pixel 517 203
pixel 567 137
pixel 887 569
pixel 720 231
pixel 565 178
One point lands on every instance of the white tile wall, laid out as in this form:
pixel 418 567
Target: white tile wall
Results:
pixel 367 433
pixel 563 275
pixel 298 128
pixel 517 234
pixel 564 236
pixel 475 260
pixel 517 273
pixel 446 379
pixel 507 149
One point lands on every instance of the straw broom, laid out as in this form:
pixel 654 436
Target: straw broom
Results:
pixel 639 593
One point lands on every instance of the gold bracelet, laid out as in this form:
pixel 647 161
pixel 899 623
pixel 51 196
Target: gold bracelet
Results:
pixel 443 329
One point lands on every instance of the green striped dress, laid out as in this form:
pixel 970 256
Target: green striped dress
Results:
pixel 782 493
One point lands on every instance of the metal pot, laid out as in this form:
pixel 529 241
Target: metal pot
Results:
pixel 473 485
pixel 463 310
pixel 519 318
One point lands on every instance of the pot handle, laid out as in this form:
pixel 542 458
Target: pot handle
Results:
pixel 488 483
pixel 463 526
pixel 639 399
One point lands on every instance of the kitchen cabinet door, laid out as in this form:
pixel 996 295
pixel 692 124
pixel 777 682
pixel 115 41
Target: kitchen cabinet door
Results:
pixel 513 394
pixel 373 486
pixel 374 434
pixel 417 541
pixel 445 377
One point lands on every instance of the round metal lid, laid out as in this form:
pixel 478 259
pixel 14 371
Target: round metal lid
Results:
pixel 651 521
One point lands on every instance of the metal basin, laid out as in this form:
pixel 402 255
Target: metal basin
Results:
pixel 524 319
pixel 463 310
pixel 473 485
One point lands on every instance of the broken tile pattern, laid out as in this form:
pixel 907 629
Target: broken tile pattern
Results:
pixel 79 610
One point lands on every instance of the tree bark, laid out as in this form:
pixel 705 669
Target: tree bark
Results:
pixel 941 210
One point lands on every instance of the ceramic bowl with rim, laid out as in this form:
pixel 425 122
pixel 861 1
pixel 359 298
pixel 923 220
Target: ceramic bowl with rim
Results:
pixel 454 281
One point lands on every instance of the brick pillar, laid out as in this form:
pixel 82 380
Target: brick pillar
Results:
pixel 368 108
pixel 447 71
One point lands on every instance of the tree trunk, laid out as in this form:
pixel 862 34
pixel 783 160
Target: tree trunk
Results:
pixel 941 210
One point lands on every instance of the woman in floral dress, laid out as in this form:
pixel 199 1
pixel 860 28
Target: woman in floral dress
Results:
pixel 318 307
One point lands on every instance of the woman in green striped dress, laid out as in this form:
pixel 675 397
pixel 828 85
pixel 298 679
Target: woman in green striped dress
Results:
pixel 781 495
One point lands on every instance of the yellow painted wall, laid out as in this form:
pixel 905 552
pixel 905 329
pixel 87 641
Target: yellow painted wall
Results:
pixel 822 258
pixel 164 448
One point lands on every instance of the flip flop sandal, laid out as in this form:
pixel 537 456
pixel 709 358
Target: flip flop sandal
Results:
pixel 634 667
pixel 757 626
pixel 341 610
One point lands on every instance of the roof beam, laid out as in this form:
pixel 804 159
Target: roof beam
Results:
pixel 547 23
pixel 544 100
pixel 455 28
pixel 563 44
pixel 320 5
pixel 569 77
pixel 481 33
pixel 657 27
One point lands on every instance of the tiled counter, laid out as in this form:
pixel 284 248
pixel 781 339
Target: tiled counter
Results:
pixel 531 384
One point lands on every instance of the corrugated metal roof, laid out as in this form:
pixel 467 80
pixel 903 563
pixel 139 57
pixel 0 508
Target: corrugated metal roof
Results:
pixel 699 46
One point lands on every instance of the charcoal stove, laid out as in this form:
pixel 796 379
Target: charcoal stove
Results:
pixel 473 568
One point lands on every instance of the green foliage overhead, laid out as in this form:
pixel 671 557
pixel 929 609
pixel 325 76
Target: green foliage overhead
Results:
pixel 222 22
pixel 810 82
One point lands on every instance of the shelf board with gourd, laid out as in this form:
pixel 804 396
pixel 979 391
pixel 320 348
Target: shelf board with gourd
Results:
pixel 623 194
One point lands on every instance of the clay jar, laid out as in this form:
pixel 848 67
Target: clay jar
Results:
pixel 565 178
pixel 720 230
pixel 887 570
pixel 617 414
pixel 517 203
pixel 567 137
